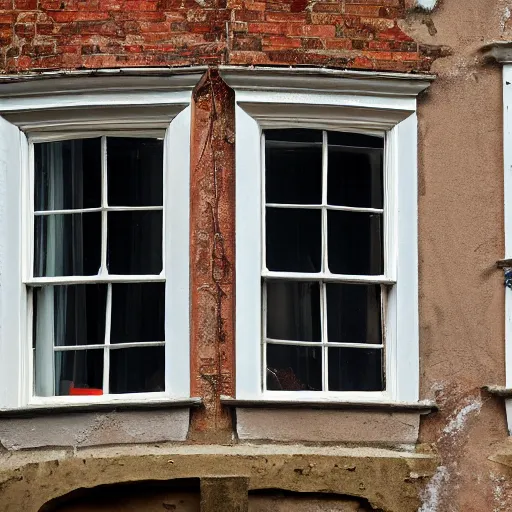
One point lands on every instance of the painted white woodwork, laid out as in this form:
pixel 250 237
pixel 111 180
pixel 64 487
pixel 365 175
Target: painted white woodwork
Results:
pixel 37 109
pixel 370 103
pixel 507 177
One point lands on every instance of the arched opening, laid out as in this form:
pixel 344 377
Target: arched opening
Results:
pixel 181 495
pixel 275 500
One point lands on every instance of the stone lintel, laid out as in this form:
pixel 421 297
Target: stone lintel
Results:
pixel 388 479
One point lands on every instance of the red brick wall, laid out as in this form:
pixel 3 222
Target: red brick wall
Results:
pixel 74 34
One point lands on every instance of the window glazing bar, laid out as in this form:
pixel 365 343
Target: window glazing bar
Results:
pixel 135 344
pixel 104 278
pixel 327 277
pixel 323 344
pixel 326 206
pixel 100 209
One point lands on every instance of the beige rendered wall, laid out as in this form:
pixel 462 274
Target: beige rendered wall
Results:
pixel 460 239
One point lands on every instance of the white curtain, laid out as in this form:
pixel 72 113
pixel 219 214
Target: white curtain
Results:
pixel 48 264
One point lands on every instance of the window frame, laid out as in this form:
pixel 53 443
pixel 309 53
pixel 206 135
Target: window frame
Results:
pixel 369 103
pixel 91 106
pixel 503 56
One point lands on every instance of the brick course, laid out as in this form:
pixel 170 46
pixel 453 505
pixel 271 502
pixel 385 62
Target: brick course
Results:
pixel 78 34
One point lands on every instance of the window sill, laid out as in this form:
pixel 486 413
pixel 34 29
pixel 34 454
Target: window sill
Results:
pixel 335 421
pixel 118 405
pixel 500 391
pixel 422 407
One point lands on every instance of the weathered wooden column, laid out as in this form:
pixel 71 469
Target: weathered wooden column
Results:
pixel 212 256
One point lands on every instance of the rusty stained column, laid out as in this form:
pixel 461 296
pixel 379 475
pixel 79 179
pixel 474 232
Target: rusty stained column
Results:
pixel 212 256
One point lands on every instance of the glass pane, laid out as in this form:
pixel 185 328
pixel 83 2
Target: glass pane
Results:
pixel 79 372
pixel 293 311
pixel 354 177
pixel 295 135
pixel 67 244
pixel 67 174
pixel 134 242
pixel 354 313
pixel 355 140
pixel 292 368
pixel 355 369
pixel 70 315
pixel 355 243
pixel 294 239
pixel 138 312
pixel 293 161
pixel 135 171
pixel 137 370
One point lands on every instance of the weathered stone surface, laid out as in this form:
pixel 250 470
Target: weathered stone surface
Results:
pixel 94 429
pixel 295 425
pixel 388 479
pixel 303 504
pixel 229 494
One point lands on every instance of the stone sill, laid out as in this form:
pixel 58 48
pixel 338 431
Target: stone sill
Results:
pixel 422 407
pixel 71 408
pixel 500 391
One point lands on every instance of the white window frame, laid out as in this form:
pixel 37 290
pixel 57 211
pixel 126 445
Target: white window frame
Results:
pixel 507 183
pixel 501 51
pixel 76 107
pixel 370 103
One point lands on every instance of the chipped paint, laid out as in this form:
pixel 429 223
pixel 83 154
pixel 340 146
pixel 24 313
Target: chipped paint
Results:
pixel 505 17
pixel 499 492
pixel 431 496
pixel 212 254
pixel 450 441
pixel 458 423
pixel 428 5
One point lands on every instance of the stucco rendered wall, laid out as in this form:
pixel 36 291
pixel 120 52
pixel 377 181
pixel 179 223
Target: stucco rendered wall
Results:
pixel 460 239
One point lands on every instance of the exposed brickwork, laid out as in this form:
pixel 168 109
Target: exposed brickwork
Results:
pixel 361 34
pixel 74 34
pixel 212 255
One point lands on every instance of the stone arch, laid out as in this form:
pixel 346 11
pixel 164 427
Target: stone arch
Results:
pixel 278 500
pixel 384 481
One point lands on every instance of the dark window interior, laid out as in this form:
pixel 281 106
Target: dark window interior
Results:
pixel 68 176
pixel 317 223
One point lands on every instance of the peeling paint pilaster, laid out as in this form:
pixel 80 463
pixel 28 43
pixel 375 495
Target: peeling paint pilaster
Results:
pixel 212 253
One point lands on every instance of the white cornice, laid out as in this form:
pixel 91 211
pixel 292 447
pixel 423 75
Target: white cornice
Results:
pixel 173 86
pixel 52 80
pixel 321 80
pixel 104 88
pixel 299 78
